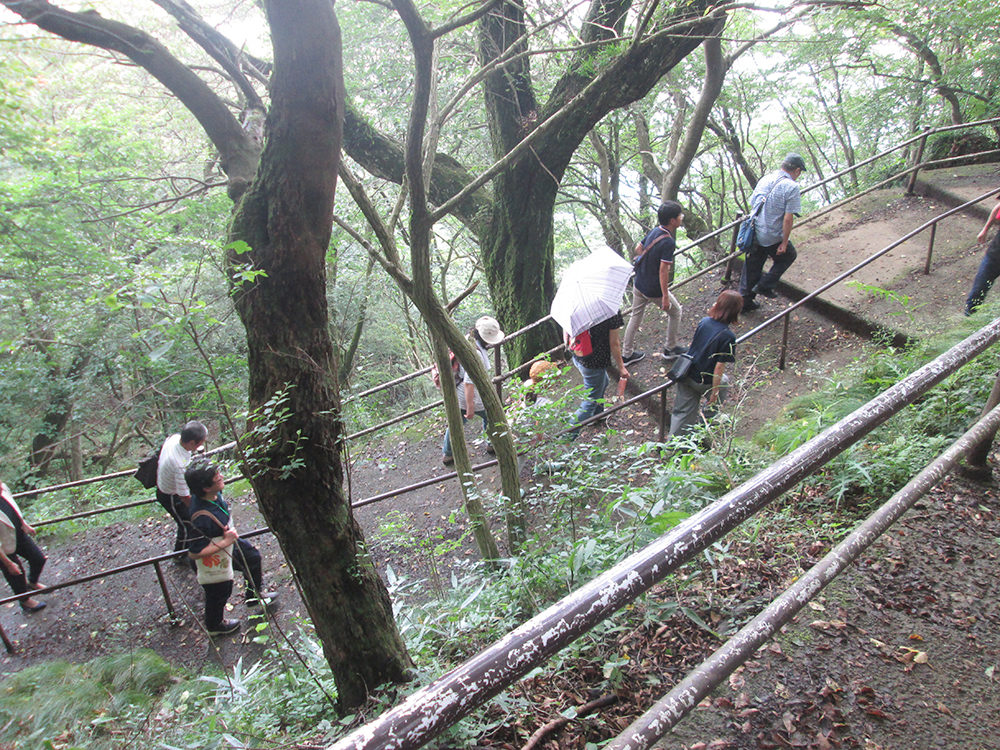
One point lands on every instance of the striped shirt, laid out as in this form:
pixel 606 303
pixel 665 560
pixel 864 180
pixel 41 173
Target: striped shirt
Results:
pixel 782 197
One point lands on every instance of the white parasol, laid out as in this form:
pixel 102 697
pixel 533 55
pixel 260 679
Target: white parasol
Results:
pixel 591 291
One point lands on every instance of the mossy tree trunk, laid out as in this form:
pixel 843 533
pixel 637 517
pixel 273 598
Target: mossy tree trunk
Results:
pixel 295 465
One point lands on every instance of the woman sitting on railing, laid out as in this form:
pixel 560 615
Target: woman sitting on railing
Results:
pixel 713 345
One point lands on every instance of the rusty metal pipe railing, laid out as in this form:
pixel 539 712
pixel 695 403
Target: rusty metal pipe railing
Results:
pixel 783 315
pixel 727 259
pixel 699 682
pixel 154 562
pixel 430 710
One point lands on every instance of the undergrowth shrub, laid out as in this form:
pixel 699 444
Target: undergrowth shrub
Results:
pixel 873 469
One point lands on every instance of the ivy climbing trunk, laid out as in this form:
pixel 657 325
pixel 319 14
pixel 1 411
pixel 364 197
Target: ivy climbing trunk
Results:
pixel 281 232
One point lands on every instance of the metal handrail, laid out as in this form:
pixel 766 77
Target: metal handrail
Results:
pixel 149 561
pixel 699 682
pixel 430 710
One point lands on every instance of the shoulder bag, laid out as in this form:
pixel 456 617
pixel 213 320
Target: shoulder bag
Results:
pixel 217 567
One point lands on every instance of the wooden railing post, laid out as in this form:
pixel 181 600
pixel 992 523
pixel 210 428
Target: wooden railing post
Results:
pixel 732 249
pixel 663 414
pixel 166 594
pixel 498 370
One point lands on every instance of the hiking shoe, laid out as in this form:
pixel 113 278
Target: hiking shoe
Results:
pixel 264 599
pixel 749 305
pixel 769 293
pixel 447 460
pixel 226 627
pixel 675 352
pixel 634 357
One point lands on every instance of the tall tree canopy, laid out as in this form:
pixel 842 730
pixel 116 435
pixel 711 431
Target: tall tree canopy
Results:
pixel 280 234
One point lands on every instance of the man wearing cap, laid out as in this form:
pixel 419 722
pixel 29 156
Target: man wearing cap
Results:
pixel 782 202
pixel 484 334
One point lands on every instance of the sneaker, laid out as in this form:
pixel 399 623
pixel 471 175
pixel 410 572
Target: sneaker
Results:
pixel 447 460
pixel 675 352
pixel 749 305
pixel 634 357
pixel 769 293
pixel 264 599
pixel 226 627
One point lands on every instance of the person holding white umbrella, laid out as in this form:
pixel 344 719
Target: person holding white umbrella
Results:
pixel 593 354
pixel 587 306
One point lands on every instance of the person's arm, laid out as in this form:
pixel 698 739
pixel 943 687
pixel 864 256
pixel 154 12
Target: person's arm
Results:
pixel 666 270
pixel 229 537
pixel 717 373
pixel 470 400
pixel 9 565
pixel 989 222
pixel 616 353
pixel 786 232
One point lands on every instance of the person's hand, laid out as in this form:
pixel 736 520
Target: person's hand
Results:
pixel 781 248
pixel 623 375
pixel 470 414
pixel 230 535
pixel 981 238
pixel 12 567
pixel 29 530
pixel 665 304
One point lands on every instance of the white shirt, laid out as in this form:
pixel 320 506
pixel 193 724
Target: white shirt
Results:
pixel 477 399
pixel 8 534
pixel 170 471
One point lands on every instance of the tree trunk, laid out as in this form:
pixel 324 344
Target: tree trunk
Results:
pixel 293 454
pixel 518 257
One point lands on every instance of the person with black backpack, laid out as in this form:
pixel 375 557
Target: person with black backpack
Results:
pixel 654 266
pixel 172 491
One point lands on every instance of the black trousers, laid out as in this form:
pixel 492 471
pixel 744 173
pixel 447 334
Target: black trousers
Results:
pixel 246 559
pixel 181 513
pixel 33 555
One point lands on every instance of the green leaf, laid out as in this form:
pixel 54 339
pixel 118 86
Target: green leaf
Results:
pixel 239 247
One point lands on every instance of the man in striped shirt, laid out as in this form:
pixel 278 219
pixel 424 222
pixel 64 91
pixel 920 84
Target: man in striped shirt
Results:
pixel 782 202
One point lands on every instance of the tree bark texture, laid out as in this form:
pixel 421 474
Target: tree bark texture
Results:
pixel 296 470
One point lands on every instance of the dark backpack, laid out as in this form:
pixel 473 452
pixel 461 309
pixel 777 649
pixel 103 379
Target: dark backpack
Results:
pixel 148 464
